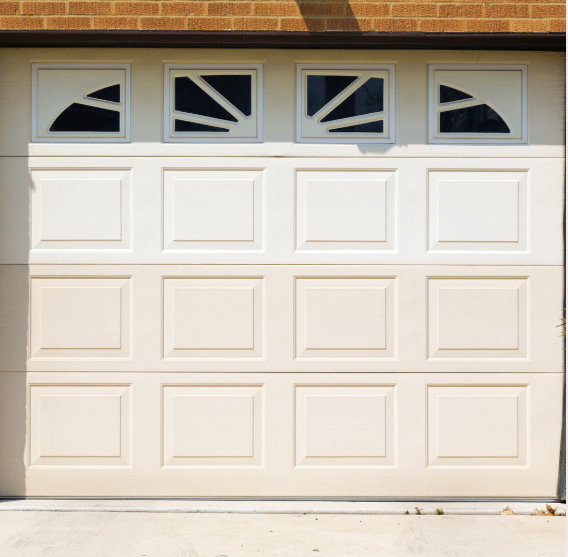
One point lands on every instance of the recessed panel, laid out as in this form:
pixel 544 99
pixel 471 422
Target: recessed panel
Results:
pixel 80 317
pixel 344 425
pixel 345 317
pixel 80 209
pixel 477 425
pixel 345 211
pixel 213 317
pixel 212 425
pixel 478 318
pixel 79 425
pixel 474 211
pixel 213 210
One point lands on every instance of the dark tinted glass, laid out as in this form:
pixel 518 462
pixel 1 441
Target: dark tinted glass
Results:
pixel 183 126
pixel 235 88
pixel 450 95
pixel 369 127
pixel 110 93
pixel 83 118
pixel 324 88
pixel 366 100
pixel 472 119
pixel 192 99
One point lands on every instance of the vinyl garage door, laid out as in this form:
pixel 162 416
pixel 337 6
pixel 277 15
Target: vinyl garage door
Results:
pixel 281 273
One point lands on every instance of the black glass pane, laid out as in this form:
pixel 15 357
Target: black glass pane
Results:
pixel 324 88
pixel 366 100
pixel 369 127
pixel 83 118
pixel 235 88
pixel 183 126
pixel 192 99
pixel 450 95
pixel 472 119
pixel 110 93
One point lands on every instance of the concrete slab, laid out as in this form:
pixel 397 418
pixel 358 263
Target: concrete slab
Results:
pixel 133 534
pixel 275 507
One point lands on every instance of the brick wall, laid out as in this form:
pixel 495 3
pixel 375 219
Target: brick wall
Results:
pixel 499 16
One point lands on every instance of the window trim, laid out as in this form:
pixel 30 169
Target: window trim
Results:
pixel 433 108
pixel 100 138
pixel 259 101
pixel 390 68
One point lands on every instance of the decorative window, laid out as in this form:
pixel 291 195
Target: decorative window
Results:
pixel 213 102
pixel 80 103
pixel 478 104
pixel 339 104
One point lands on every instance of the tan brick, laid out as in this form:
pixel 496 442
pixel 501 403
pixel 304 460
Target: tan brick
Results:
pixel 68 22
pixel 370 10
pixel 529 26
pixel 162 23
pixel 315 9
pixel 557 26
pixel 43 8
pixel 275 9
pixel 136 8
pixel 9 8
pixel 507 10
pixel 302 24
pixel 411 10
pixel 548 11
pixel 12 22
pixel 209 23
pixel 90 8
pixel 460 10
pixel 115 22
pixel 395 25
pixel 487 26
pixel 255 23
pixel 229 8
pixel 183 8
pixel 442 26
pixel 343 24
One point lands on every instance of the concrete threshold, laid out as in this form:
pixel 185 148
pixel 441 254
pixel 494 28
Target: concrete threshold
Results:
pixel 276 507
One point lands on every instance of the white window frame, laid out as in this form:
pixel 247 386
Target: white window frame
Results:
pixel 259 104
pixel 390 117
pixel 78 139
pixel 459 139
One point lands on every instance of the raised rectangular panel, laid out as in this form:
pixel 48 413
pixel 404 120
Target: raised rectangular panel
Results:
pixel 345 425
pixel 477 425
pixel 345 317
pixel 209 425
pixel 80 317
pixel 73 425
pixel 80 209
pixel 213 317
pixel 478 317
pixel 473 211
pixel 213 210
pixel 345 210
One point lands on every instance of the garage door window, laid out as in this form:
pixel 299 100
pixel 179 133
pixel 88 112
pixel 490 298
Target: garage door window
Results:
pixel 345 104
pixel 80 103
pixel 478 104
pixel 213 103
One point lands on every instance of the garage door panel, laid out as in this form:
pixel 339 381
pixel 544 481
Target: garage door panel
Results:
pixel 299 434
pixel 284 211
pixel 292 318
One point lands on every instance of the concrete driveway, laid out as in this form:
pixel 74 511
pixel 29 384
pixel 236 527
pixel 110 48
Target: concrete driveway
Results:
pixel 26 533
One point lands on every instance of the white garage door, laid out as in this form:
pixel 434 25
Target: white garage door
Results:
pixel 281 273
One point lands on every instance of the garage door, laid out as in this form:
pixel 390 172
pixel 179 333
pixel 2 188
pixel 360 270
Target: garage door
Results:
pixel 281 273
